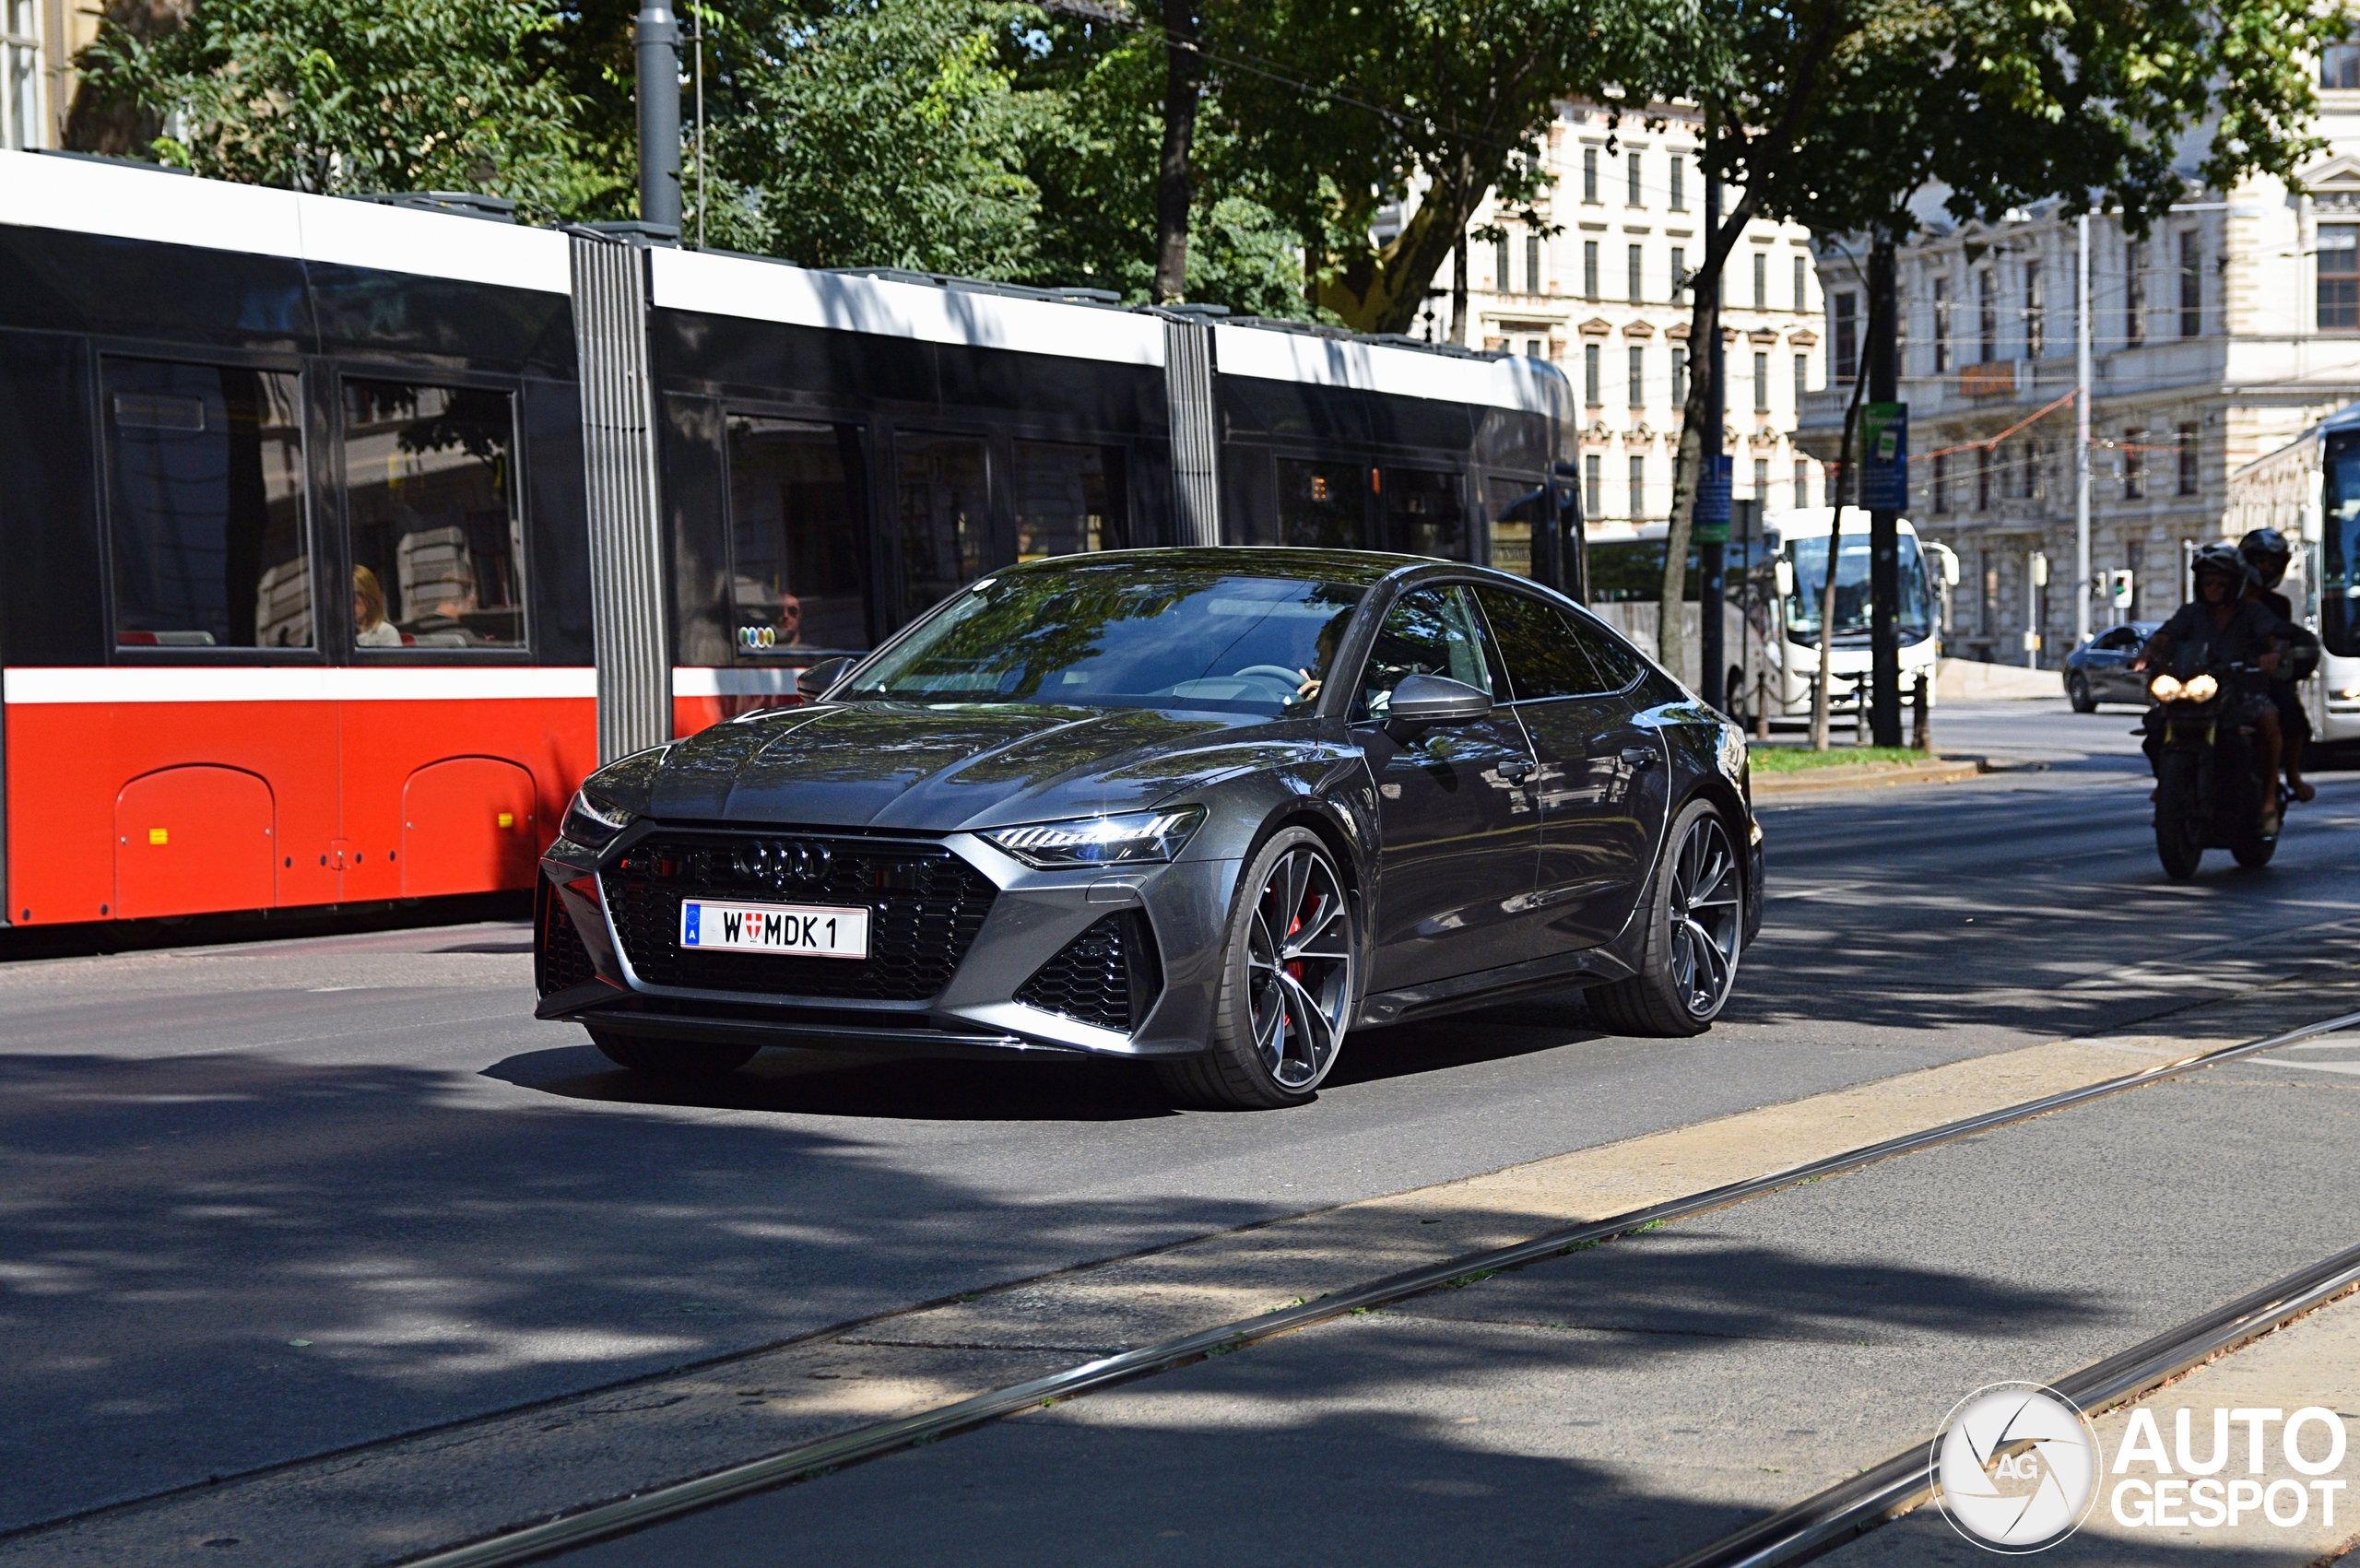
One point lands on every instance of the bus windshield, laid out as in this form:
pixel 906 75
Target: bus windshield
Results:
pixel 1914 621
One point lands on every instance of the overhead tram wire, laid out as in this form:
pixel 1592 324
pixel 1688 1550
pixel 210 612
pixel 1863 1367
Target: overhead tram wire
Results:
pixel 811 1461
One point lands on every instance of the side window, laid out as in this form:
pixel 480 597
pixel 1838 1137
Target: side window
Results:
pixel 1424 513
pixel 1543 660
pixel 1518 511
pixel 205 469
pixel 1068 500
pixel 944 516
pixel 1617 662
pixel 798 580
pixel 438 548
pixel 1321 504
pixel 1430 632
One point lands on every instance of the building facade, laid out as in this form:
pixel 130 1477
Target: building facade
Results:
pixel 2216 337
pixel 38 41
pixel 1599 289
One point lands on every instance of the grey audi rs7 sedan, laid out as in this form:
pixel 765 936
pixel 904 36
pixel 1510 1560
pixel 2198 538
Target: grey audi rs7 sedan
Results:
pixel 1208 809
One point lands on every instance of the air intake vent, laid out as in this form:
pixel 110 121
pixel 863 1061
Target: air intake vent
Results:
pixel 561 961
pixel 1108 976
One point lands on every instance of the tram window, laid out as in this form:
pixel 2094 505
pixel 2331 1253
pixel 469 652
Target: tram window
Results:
pixel 944 514
pixel 1424 513
pixel 1516 507
pixel 800 571
pixel 1068 500
pixel 206 507
pixel 438 550
pixel 1320 505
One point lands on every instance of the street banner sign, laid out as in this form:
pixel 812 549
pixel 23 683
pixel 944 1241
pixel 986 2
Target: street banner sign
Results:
pixel 1710 525
pixel 1884 476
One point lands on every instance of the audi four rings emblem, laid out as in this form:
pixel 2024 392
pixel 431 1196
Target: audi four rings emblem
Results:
pixel 779 864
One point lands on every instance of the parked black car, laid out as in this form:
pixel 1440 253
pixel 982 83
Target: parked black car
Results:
pixel 2099 670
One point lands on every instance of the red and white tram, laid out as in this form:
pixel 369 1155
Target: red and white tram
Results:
pixel 300 517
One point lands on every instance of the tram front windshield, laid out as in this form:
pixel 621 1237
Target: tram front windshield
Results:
pixel 1914 621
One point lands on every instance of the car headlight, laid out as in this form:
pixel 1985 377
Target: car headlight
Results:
pixel 592 822
pixel 2164 688
pixel 2200 689
pixel 1133 838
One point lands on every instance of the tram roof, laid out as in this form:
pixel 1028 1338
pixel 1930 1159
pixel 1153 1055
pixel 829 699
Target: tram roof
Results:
pixel 434 235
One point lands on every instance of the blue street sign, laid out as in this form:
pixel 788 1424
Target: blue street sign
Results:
pixel 1884 476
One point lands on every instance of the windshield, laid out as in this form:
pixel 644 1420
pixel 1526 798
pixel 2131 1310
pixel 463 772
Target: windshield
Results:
pixel 1913 620
pixel 1119 636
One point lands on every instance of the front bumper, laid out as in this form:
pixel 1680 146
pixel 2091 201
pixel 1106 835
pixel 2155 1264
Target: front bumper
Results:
pixel 997 999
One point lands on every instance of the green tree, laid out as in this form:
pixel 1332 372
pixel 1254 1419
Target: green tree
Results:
pixel 350 96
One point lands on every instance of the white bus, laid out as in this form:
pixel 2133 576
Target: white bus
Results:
pixel 2309 491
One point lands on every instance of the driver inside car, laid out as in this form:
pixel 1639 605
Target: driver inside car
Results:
pixel 2221 626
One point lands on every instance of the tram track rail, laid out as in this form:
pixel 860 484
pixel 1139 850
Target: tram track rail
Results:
pixel 1841 1513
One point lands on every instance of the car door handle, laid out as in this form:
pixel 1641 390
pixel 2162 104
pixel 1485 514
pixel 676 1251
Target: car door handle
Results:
pixel 1638 756
pixel 1516 769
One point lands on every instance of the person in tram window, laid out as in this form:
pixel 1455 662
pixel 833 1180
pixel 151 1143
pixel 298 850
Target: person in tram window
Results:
pixel 372 630
pixel 790 622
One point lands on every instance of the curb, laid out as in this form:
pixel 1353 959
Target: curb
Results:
pixel 1866 775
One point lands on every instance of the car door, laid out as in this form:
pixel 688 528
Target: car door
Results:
pixel 2104 665
pixel 1603 775
pixel 1454 803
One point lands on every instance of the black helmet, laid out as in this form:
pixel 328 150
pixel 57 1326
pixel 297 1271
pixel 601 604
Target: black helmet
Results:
pixel 2266 555
pixel 2223 559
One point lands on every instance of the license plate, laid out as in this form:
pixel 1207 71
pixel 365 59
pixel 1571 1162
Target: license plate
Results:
pixel 800 929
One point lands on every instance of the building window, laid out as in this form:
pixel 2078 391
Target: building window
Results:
pixel 2036 313
pixel 1761 280
pixel 2339 276
pixel 21 74
pixel 1941 325
pixel 1500 279
pixel 1942 481
pixel 2134 293
pixel 1761 384
pixel 1803 288
pixel 2340 66
pixel 1589 270
pixel 1802 379
pixel 1762 478
pixel 2134 474
pixel 1536 348
pixel 1631 161
pixel 1638 486
pixel 2185 450
pixel 1533 282
pixel 1679 274
pixel 1589 175
pixel 1802 484
pixel 1679 184
pixel 1637 279
pixel 2191 284
pixel 1679 378
pixel 1982 478
pixel 1987 315
pixel 1589 375
pixel 1847 345
pixel 1638 357
pixel 1593 487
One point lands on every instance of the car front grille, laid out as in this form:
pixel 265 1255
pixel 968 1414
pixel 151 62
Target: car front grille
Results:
pixel 1109 975
pixel 926 905
pixel 564 960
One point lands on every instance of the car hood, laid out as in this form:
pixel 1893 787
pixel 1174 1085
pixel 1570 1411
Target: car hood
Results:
pixel 942 768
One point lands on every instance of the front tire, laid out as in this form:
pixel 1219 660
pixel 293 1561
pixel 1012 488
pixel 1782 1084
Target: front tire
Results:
pixel 2179 837
pixel 1695 914
pixel 680 1060
pixel 1287 990
pixel 2077 692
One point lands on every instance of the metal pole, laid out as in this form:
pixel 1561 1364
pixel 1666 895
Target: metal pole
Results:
pixel 2082 447
pixel 1885 524
pixel 1712 556
pixel 658 39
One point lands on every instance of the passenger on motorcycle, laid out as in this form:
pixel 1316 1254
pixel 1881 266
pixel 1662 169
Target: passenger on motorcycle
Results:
pixel 2266 555
pixel 2228 628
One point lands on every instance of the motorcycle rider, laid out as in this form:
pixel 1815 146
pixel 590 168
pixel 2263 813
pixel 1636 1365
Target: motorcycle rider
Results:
pixel 2228 628
pixel 2266 556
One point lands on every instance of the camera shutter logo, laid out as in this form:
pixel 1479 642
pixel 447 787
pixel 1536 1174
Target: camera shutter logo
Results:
pixel 2018 1466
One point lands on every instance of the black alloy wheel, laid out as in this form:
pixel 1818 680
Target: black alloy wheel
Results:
pixel 2077 692
pixel 1286 988
pixel 1696 914
pixel 677 1059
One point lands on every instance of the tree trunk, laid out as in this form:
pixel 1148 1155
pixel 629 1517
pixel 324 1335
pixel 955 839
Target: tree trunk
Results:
pixel 1182 67
pixel 1688 467
pixel 1847 467
pixel 119 127
pixel 1458 288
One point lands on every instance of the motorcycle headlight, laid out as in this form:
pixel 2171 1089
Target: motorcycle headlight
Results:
pixel 1133 838
pixel 2165 689
pixel 592 822
pixel 2199 689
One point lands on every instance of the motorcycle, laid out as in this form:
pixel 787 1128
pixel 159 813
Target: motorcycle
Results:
pixel 2208 782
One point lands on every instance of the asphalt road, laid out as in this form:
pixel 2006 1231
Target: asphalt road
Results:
pixel 269 1202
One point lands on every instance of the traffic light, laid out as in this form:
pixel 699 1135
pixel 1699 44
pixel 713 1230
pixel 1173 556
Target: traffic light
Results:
pixel 2119 587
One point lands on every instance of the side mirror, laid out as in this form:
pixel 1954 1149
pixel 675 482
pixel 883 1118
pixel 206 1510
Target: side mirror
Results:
pixel 814 682
pixel 1422 701
pixel 1785 573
